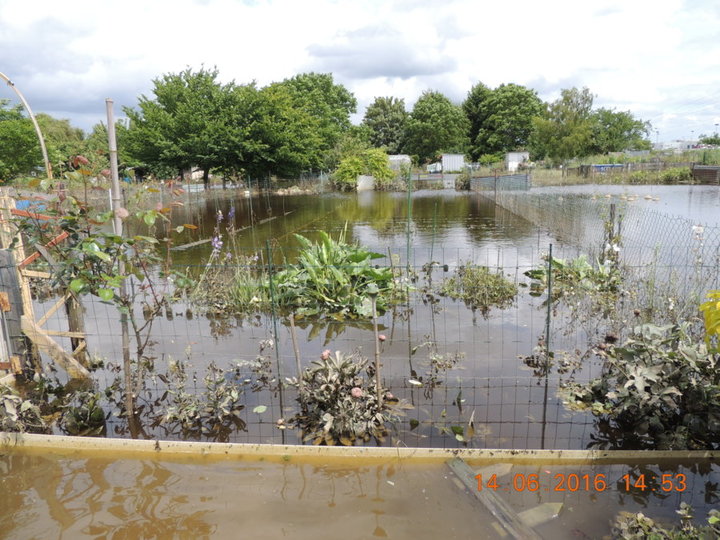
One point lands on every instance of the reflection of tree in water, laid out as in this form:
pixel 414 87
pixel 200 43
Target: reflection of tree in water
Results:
pixel 105 499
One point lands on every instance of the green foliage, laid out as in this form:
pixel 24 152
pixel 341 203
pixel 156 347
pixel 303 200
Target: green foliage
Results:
pixel 214 413
pixel 338 401
pixel 62 140
pixel 329 104
pixel 435 126
pixel 637 526
pixel 659 390
pixel 676 175
pixel 18 414
pixel 84 416
pixel 565 130
pixel 352 142
pixel 575 277
pixel 386 118
pixel 500 119
pixel 462 181
pixel 373 162
pixel 333 277
pixel 617 131
pixel 480 288
pixel 713 139
pixel 19 147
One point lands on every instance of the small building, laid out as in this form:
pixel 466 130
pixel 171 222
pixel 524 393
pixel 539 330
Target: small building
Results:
pixel 513 160
pixel 452 163
pixel 397 161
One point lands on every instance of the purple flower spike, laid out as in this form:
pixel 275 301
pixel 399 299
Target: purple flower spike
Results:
pixel 216 243
pixel 231 213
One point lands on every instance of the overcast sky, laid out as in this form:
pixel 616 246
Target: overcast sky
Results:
pixel 660 59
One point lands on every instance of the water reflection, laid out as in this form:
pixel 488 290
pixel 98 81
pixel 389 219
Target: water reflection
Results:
pixel 64 497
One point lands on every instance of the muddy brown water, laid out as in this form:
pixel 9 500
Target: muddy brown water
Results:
pixel 100 496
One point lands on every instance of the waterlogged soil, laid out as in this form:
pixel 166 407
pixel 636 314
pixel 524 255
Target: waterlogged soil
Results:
pixel 66 496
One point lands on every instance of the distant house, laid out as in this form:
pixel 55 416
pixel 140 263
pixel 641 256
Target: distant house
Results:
pixel 398 160
pixel 513 160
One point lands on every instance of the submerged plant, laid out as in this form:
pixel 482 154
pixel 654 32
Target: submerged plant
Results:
pixel 637 526
pixel 18 414
pixel 334 277
pixel 84 416
pixel 575 277
pixel 338 401
pixel 659 390
pixel 214 413
pixel 480 288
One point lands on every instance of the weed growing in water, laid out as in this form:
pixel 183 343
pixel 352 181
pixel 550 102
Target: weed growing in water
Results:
pixel 480 288
pixel 637 526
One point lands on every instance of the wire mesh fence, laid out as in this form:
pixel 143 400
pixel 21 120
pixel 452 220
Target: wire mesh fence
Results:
pixel 498 383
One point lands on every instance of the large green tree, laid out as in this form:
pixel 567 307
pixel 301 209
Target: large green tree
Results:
pixel 62 140
pixel 501 120
pixel 386 118
pixel 616 131
pixel 19 147
pixel 185 124
pixel 330 104
pixel 565 130
pixel 435 125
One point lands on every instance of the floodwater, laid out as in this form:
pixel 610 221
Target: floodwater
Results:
pixel 73 496
pixel 509 403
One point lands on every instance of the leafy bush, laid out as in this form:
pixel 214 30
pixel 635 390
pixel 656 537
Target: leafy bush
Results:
pixel 333 277
pixel 479 288
pixel 373 162
pixel 639 177
pixel 462 182
pixel 659 390
pixel 338 404
pixel 676 174
pixel 629 526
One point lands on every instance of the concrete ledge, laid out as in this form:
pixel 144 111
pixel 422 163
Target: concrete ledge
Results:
pixel 194 451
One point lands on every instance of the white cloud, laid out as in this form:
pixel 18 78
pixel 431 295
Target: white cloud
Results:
pixel 660 59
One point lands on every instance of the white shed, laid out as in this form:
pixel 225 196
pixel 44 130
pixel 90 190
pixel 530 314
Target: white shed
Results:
pixel 513 160
pixel 453 163
pixel 398 160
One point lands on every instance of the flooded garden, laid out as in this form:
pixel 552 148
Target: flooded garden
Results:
pixel 432 318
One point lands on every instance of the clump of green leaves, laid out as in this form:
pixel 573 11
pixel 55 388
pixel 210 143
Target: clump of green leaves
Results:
pixel 333 277
pixel 373 162
pixel 659 390
pixel 574 277
pixel 638 526
pixel 338 402
pixel 214 413
pixel 676 175
pixel 480 288
pixel 84 416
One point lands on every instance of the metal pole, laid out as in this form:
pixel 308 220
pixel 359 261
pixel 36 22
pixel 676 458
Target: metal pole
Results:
pixel 48 168
pixel 112 145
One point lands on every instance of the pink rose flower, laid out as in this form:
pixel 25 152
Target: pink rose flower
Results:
pixel 122 213
pixel 325 354
pixel 356 392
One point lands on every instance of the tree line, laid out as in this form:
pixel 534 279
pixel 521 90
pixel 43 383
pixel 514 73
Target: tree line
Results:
pixel 302 123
